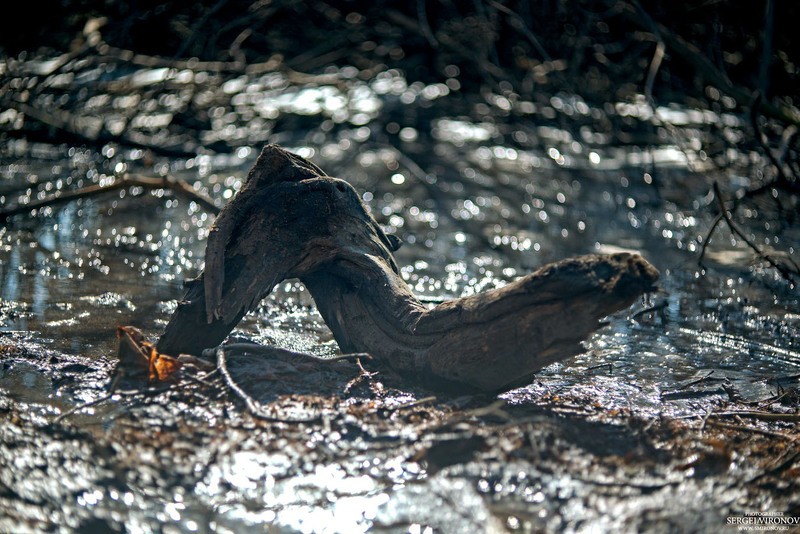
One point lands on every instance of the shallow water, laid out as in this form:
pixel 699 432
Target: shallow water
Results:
pixel 475 210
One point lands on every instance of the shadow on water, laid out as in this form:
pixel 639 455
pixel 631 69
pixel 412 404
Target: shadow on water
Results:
pixel 603 441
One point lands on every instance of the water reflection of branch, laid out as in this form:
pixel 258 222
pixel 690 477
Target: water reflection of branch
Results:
pixel 178 186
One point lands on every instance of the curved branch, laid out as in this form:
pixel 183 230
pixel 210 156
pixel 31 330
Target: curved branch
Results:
pixel 318 230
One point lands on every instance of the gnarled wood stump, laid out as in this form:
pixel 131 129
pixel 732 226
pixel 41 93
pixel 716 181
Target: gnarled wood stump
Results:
pixel 292 221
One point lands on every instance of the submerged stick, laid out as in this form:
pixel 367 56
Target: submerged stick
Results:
pixel 296 223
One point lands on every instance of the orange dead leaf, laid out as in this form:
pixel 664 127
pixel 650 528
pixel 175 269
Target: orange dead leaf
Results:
pixel 137 356
pixel 162 366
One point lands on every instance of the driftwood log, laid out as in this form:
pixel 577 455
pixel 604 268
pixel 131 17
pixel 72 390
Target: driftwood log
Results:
pixel 292 221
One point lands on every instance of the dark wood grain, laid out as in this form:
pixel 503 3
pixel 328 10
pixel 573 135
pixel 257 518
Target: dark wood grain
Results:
pixel 291 221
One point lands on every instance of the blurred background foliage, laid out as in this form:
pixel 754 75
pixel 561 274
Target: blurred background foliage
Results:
pixel 600 49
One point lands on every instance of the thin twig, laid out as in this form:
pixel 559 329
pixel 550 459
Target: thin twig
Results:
pixel 784 463
pixel 253 406
pixel 658 56
pixel 786 273
pixel 519 24
pixel 698 381
pixel 762 416
pixel 705 420
pixel 752 429
pixel 766 50
pixel 65 122
pixel 656 307
pixel 425 25
pixel 495 409
pixel 600 366
pixel 704 67
pixel 81 407
pixel 680 395
pixel 485 66
pixel 761 138
pixel 127 180
pixel 707 239
pixel 628 484
pixel 411 404
pixel 194 31
pixel 106 52
pixel 255 348
pixel 363 374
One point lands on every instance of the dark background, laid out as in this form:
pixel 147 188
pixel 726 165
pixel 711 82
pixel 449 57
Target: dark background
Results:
pixel 603 48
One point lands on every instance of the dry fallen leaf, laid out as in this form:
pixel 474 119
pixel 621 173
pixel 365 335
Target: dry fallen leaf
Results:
pixel 139 356
pixel 162 366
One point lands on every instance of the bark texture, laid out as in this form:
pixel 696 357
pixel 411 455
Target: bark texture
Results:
pixel 291 221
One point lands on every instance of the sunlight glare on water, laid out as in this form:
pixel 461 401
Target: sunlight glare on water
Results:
pixel 476 202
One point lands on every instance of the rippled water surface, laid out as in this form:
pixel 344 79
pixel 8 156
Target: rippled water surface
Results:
pixel 477 204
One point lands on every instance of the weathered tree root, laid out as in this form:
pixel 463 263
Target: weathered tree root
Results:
pixel 290 221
